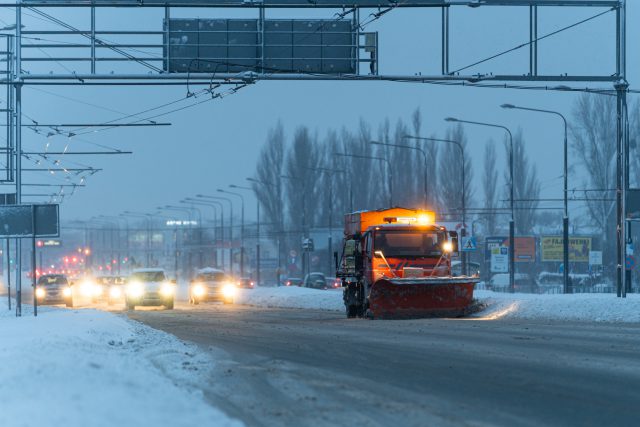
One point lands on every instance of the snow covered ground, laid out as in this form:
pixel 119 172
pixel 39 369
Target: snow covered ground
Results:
pixel 579 307
pixel 292 297
pixel 91 368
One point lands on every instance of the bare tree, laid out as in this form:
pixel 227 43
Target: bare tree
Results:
pixel 450 173
pixel 526 186
pixel 594 144
pixel 489 185
pixel 269 192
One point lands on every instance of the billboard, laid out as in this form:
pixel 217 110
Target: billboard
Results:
pixel 525 247
pixel 17 221
pixel 235 45
pixel 552 248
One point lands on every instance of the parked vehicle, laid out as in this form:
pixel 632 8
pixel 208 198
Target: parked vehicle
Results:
pixel 333 282
pixel 54 289
pixel 473 268
pixel 523 283
pixel 315 280
pixel 149 287
pixel 246 283
pixel 211 284
pixel 293 281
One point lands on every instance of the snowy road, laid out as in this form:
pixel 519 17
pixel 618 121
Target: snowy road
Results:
pixel 315 368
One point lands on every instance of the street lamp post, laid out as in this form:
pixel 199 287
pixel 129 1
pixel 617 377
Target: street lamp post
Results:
pixel 565 219
pixel 356 156
pixel 214 205
pixel 200 242
pixel 512 247
pixel 464 187
pixel 228 200
pixel 424 156
pixel 257 181
pixel 241 226
pixel 190 222
pixel 238 187
pixel 148 240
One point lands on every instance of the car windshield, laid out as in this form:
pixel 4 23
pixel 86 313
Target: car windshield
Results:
pixel 412 243
pixel 148 276
pixel 211 277
pixel 52 280
pixel 316 277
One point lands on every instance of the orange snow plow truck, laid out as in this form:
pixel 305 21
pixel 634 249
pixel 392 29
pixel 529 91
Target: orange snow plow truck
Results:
pixel 396 263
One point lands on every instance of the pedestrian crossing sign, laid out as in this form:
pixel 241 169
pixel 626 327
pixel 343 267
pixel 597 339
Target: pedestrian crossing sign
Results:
pixel 469 244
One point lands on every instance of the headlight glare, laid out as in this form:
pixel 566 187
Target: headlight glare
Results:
pixel 40 293
pixel 167 290
pixel 198 290
pixel 229 290
pixel 115 292
pixel 135 289
pixel 66 292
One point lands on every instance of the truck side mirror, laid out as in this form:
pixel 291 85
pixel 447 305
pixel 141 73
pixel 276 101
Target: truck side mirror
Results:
pixel 453 235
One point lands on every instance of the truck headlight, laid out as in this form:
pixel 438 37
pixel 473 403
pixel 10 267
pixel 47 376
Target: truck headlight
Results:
pixel 66 292
pixel 167 290
pixel 135 289
pixel 198 290
pixel 229 290
pixel 40 293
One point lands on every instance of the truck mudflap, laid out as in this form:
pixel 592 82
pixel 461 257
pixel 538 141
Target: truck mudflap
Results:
pixel 421 297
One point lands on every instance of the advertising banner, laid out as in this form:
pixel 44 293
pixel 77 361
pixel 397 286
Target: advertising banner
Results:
pixel 552 248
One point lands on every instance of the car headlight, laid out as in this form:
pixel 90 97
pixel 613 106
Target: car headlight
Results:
pixel 115 292
pixel 135 289
pixel 66 292
pixel 98 290
pixel 167 290
pixel 198 290
pixel 40 293
pixel 229 290
pixel 87 289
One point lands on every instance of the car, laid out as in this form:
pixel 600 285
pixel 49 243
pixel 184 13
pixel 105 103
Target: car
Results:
pixel 334 282
pixel 149 287
pixel 473 268
pixel 109 289
pixel 315 280
pixel 54 289
pixel 246 283
pixel 212 284
pixel 293 281
pixel 522 283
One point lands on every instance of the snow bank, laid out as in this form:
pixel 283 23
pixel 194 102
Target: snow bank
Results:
pixel 91 368
pixel 579 307
pixel 292 297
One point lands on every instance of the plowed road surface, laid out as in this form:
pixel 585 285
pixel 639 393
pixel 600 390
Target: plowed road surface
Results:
pixel 315 368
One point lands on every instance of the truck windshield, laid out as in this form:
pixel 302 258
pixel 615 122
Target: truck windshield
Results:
pixel 409 243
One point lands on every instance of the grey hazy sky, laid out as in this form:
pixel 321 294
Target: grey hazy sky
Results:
pixel 217 143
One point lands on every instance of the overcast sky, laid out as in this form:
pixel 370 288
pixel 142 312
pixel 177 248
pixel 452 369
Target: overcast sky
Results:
pixel 217 143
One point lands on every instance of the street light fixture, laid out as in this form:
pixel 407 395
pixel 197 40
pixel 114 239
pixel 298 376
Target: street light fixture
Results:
pixel 512 247
pixel 565 219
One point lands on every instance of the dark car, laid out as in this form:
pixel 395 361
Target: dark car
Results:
pixel 293 281
pixel 54 289
pixel 315 281
pixel 246 283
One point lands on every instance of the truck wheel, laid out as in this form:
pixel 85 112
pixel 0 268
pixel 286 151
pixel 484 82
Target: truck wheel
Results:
pixel 352 311
pixel 169 305
pixel 130 306
pixel 69 303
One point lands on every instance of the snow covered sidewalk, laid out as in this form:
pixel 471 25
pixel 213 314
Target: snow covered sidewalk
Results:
pixel 578 307
pixel 91 368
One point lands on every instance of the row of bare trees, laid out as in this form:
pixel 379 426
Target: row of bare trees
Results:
pixel 306 180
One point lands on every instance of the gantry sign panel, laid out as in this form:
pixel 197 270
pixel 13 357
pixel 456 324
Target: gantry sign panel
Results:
pixel 282 46
pixel 329 3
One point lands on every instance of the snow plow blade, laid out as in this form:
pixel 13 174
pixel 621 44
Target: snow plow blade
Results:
pixel 421 297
